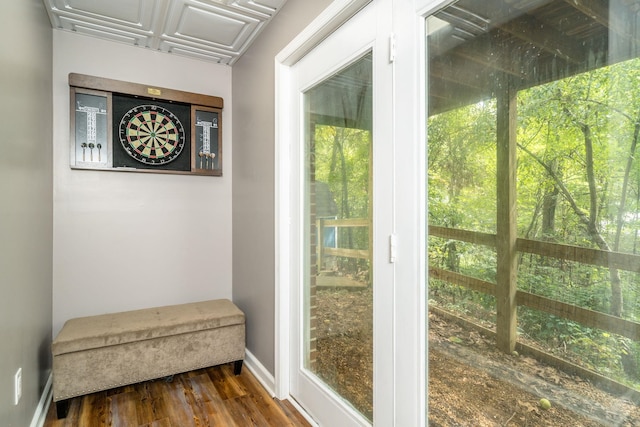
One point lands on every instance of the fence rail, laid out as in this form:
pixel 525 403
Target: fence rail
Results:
pixel 590 318
pixel 348 222
pixel 619 260
pixel 347 253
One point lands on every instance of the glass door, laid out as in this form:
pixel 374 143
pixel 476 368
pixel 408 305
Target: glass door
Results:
pixel 342 292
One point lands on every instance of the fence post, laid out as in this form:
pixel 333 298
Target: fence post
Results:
pixel 506 229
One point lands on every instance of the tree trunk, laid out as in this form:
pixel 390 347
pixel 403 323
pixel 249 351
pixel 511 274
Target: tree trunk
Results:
pixel 549 204
pixel 614 274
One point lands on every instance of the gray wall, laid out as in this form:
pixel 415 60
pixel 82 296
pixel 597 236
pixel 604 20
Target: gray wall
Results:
pixel 25 206
pixel 92 210
pixel 253 175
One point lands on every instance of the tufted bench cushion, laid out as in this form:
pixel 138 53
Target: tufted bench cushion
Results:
pixel 100 352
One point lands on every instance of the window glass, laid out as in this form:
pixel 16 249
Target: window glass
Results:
pixel 338 282
pixel 534 213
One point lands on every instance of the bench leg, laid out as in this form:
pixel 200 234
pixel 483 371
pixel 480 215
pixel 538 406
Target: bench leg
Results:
pixel 62 408
pixel 237 367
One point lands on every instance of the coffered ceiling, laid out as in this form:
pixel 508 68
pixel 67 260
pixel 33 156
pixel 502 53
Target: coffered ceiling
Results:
pixel 219 31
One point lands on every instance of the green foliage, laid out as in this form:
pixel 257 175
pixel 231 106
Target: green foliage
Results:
pixel 462 165
pixel 471 304
pixel 568 282
pixel 608 354
pixel 342 157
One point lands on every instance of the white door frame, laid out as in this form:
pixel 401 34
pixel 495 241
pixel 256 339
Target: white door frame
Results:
pixel 409 170
pixel 331 19
pixel 364 34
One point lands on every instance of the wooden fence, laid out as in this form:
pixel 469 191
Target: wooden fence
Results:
pixel 341 252
pixel 586 317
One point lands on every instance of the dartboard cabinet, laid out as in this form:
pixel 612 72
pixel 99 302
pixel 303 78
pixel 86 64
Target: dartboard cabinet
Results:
pixel 125 126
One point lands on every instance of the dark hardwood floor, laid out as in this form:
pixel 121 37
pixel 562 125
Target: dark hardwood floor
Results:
pixel 203 398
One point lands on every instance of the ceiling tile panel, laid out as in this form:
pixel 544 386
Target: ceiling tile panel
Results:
pixel 104 32
pixel 212 25
pixel 210 55
pixel 267 7
pixel 128 13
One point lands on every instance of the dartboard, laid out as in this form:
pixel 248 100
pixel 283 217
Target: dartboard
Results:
pixel 152 134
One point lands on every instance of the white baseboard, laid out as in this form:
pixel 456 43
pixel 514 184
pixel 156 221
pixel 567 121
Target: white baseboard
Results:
pixel 268 382
pixel 40 415
pixel 260 372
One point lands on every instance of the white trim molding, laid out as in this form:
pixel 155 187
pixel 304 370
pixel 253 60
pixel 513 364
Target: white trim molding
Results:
pixel 40 414
pixel 261 373
pixel 265 378
pixel 326 23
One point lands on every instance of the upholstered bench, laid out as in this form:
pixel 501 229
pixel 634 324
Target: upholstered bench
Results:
pixel 96 353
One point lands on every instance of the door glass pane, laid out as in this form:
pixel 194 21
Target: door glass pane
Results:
pixel 534 213
pixel 338 293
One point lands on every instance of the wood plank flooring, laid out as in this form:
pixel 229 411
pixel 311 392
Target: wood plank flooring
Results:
pixel 204 398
